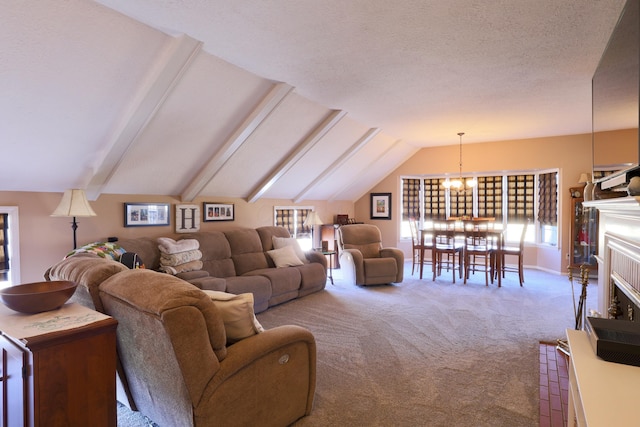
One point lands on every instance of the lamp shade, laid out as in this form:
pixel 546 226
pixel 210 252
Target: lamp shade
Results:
pixel 312 219
pixel 584 177
pixel 74 203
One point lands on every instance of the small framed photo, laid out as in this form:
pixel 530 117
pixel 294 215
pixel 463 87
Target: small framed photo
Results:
pixel 218 212
pixel 146 214
pixel 380 205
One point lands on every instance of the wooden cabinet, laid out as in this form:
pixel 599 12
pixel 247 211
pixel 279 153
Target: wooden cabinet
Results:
pixel 584 232
pixel 58 368
pixel 330 234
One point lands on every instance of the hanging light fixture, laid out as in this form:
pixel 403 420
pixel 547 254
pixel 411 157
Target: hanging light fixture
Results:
pixel 459 184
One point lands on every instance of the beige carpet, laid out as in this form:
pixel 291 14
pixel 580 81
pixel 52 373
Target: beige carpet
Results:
pixel 424 353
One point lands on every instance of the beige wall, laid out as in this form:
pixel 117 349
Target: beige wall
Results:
pixel 44 240
pixel 571 154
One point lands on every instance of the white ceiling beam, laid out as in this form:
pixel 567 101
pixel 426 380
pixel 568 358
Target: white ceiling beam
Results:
pixel 161 79
pixel 357 146
pixel 368 166
pixel 319 132
pixel 259 114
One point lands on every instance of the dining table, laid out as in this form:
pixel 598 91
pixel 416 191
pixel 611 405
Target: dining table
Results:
pixel 494 230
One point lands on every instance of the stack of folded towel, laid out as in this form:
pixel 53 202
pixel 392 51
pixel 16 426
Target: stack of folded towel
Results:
pixel 179 256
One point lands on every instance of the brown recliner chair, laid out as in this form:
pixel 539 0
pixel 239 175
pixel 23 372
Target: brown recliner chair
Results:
pixel 181 372
pixel 364 261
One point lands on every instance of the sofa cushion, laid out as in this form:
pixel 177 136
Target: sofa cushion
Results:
pixel 284 257
pixel 259 286
pixel 237 314
pixel 370 250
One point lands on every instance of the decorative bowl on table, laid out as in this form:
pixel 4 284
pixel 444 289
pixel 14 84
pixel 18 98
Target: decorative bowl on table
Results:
pixel 37 297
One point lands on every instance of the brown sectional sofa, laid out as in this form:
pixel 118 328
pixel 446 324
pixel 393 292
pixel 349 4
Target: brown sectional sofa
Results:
pixel 236 261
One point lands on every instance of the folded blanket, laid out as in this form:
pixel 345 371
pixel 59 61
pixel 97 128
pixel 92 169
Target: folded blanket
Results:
pixel 179 258
pixel 188 266
pixel 169 246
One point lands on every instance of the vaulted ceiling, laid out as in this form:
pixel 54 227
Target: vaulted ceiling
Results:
pixel 299 100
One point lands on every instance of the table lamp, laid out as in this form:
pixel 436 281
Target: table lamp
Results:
pixel 311 221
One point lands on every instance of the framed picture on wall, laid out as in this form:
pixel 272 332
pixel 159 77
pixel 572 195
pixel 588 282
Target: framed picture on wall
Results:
pixel 218 212
pixel 380 205
pixel 146 214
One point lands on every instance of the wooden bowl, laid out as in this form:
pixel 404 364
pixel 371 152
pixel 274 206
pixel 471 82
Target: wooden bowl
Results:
pixel 37 297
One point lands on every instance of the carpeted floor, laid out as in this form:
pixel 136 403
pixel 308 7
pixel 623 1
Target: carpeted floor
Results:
pixel 427 353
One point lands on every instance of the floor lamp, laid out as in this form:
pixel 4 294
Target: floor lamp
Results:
pixel 74 203
pixel 311 221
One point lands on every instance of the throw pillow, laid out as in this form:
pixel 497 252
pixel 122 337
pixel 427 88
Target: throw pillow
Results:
pixel 237 314
pixel 284 257
pixel 281 242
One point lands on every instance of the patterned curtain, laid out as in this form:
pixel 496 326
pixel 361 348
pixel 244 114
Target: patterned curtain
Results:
pixel 435 199
pixel 548 199
pixel 285 218
pixel 490 197
pixel 302 217
pixel 410 199
pixel 520 197
pixel 4 246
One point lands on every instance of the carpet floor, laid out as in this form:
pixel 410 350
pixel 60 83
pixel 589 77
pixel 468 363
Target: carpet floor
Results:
pixel 427 353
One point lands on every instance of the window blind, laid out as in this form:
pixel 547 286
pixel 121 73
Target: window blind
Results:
pixel 490 197
pixel 410 198
pixel 435 202
pixel 548 199
pixel 520 197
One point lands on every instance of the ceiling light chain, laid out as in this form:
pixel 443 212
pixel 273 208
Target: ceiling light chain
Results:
pixel 459 184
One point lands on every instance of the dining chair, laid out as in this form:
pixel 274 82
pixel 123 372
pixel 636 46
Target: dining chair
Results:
pixel 421 242
pixel 517 251
pixel 444 242
pixel 479 253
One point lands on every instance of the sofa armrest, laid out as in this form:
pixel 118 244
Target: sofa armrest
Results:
pixel 285 359
pixel 399 256
pixel 315 256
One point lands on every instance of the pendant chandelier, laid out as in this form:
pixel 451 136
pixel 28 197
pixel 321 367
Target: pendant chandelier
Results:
pixel 459 184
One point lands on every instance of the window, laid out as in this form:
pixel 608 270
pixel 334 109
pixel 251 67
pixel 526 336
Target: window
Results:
pixel 292 218
pixel 512 199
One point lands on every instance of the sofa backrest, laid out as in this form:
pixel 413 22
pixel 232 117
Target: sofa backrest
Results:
pixel 364 237
pixel 267 234
pixel 146 248
pixel 88 271
pixel 216 253
pixel 246 250
pixel 171 339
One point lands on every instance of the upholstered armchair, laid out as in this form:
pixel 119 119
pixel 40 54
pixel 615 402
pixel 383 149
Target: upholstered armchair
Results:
pixel 181 369
pixel 364 261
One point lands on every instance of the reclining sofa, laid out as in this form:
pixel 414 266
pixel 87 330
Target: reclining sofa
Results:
pixel 234 261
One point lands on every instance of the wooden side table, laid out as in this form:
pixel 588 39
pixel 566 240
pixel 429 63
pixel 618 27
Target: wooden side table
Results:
pixel 58 368
pixel 330 254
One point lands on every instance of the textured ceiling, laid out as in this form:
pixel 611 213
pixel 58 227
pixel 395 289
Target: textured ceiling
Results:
pixel 299 100
pixel 420 70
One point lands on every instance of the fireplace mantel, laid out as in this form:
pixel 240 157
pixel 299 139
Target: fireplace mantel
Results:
pixel 618 247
